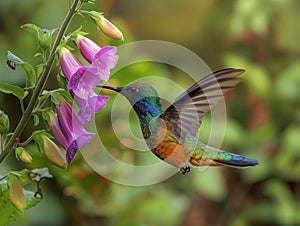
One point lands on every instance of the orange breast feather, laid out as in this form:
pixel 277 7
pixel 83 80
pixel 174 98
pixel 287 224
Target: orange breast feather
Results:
pixel 170 151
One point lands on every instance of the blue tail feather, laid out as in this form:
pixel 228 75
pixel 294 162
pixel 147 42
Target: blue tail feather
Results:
pixel 237 161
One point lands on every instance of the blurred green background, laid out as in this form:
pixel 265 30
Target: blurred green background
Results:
pixel 263 121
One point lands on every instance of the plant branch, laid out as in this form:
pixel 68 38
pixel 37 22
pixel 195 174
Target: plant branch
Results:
pixel 41 83
pixel 1 143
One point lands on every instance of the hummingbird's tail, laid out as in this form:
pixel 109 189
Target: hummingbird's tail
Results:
pixel 222 158
pixel 235 161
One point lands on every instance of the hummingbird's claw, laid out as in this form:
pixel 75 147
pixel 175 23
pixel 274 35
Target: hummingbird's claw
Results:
pixel 184 169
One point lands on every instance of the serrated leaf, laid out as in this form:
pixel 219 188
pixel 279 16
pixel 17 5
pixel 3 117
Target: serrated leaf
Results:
pixel 13 61
pixel 17 91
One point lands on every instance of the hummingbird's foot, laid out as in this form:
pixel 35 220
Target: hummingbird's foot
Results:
pixel 184 169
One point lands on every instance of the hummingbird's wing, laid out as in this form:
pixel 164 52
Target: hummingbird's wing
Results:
pixel 185 115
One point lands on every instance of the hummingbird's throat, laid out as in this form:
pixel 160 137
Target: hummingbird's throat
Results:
pixel 154 132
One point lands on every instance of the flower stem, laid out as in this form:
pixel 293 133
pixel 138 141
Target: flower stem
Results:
pixel 22 106
pixel 41 83
pixel 26 141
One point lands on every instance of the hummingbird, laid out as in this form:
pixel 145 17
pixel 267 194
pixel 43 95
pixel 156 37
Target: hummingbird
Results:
pixel 171 134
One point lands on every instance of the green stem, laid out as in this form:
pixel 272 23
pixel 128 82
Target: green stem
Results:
pixel 22 106
pixel 26 141
pixel 1 147
pixel 41 83
pixel 41 105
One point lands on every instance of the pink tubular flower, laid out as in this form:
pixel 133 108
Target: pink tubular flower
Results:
pixel 68 62
pixel 68 129
pixel 82 81
pixel 104 59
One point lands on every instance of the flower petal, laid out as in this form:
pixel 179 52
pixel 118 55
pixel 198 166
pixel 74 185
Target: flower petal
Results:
pixel 70 128
pixel 76 144
pixel 87 47
pixel 106 57
pixel 91 105
pixel 69 63
pixel 57 131
pixel 100 102
pixel 69 121
pixel 83 81
pixel 105 60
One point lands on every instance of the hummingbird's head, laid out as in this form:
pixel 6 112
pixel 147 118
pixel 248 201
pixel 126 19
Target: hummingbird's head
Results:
pixel 141 95
pixel 134 92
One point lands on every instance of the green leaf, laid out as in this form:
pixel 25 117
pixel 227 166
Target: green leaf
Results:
pixel 36 120
pixel 62 79
pixel 4 123
pixel 46 116
pixel 22 175
pixel 95 15
pixel 39 70
pixel 8 212
pixel 43 36
pixel 37 136
pixel 13 61
pixel 43 172
pixel 33 29
pixel 56 95
pixel 17 91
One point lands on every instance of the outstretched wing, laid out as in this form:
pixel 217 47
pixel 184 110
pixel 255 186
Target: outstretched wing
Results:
pixel 185 115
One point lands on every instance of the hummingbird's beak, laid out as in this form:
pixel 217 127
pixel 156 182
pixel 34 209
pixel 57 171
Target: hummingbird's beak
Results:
pixel 114 88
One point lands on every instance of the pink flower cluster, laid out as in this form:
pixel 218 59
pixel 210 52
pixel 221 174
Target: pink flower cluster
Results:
pixel 68 127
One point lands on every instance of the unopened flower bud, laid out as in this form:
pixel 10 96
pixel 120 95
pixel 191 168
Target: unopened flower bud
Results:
pixel 53 153
pixel 23 155
pixel 107 27
pixel 16 195
pixel 4 123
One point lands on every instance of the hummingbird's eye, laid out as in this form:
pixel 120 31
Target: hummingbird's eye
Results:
pixel 134 89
